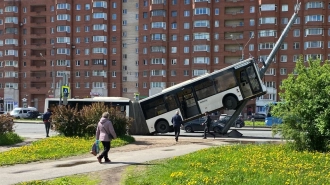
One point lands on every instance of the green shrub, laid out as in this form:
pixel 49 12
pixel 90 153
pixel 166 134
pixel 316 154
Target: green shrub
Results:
pixel 71 122
pixel 6 123
pixel 10 138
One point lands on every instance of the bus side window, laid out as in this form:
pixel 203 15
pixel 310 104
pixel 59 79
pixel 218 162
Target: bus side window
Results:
pixel 171 103
pixel 204 89
pixel 225 81
pixel 154 108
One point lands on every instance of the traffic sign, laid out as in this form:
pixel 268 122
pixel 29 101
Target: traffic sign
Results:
pixel 65 91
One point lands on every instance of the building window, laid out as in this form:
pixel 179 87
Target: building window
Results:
pixel 252 22
pixel 186 13
pixel 296 45
pixel 186 61
pixel 252 9
pixel 186 25
pixel 216 11
pixel 174 25
pixel 285 8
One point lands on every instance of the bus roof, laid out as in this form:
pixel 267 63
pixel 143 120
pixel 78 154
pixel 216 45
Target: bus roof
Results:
pixel 95 99
pixel 196 79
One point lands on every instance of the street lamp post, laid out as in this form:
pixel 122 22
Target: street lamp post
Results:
pixel 53 75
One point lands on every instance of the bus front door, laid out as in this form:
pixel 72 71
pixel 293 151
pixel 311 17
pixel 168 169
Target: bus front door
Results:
pixel 244 82
pixel 189 107
pixel 254 80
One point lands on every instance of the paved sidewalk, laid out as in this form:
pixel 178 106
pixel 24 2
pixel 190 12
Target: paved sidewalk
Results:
pixel 52 169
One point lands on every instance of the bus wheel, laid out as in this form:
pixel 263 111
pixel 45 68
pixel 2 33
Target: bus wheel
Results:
pixel 162 127
pixel 230 102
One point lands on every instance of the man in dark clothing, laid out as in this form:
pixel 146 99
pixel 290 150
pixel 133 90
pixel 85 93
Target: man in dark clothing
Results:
pixel 46 121
pixel 177 122
pixel 207 124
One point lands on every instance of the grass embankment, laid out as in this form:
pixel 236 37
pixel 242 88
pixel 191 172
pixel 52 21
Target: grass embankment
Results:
pixel 236 164
pixel 54 148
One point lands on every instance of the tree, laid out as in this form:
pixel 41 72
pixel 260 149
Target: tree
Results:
pixel 305 110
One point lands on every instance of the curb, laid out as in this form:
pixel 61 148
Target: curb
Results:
pixel 29 122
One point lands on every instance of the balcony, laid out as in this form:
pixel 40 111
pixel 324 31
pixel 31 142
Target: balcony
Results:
pixel 232 59
pixel 38 63
pixel 36 53
pixel 234 23
pixel 38 42
pixel 234 10
pixel 38 85
pixel 38 31
pixel 38 9
pixel 234 36
pixel 38 74
pixel 39 20
pixel 233 48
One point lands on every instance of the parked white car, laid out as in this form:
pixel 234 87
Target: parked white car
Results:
pixel 21 112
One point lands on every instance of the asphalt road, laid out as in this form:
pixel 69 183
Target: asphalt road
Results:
pixel 36 131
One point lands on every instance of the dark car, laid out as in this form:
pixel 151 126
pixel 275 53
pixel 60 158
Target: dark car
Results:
pixel 196 125
pixel 224 118
pixel 32 115
pixel 259 117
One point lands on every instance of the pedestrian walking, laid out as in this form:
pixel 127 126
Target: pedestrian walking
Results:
pixel 105 133
pixel 46 120
pixel 207 125
pixel 177 122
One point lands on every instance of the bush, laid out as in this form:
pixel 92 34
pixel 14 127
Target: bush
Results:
pixel 6 123
pixel 305 111
pixel 10 138
pixel 70 121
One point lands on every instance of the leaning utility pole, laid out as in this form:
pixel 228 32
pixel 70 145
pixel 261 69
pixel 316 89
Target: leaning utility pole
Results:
pixel 263 70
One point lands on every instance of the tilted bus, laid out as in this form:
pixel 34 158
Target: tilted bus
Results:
pixel 224 88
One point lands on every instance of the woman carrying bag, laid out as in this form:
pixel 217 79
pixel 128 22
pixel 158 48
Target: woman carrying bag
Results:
pixel 105 133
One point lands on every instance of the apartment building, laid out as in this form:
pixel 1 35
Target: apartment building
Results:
pixel 182 39
pixel 122 47
pixel 42 41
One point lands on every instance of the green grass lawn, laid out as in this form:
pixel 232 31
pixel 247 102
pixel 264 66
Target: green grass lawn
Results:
pixel 235 164
pixel 54 148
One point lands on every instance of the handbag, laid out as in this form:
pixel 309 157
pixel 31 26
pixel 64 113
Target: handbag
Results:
pixel 109 134
pixel 95 149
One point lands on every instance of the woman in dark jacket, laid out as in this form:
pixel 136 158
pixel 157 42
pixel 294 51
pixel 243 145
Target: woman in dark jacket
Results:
pixel 103 129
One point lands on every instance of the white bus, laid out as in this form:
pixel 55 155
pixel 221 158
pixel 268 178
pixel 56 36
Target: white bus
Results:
pixel 116 102
pixel 224 88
